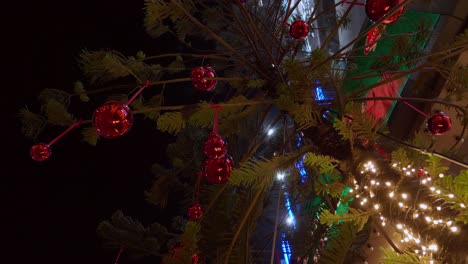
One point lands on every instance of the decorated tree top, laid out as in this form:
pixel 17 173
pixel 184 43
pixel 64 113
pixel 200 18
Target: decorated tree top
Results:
pixel 280 121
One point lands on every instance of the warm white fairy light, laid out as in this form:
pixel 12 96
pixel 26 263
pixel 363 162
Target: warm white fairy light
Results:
pixel 462 205
pixel 435 222
pixel 391 194
pixel 401 204
pixel 376 206
pixel 449 223
pixel 454 229
pixel 280 176
pixel 351 190
pixel 433 247
pixel 372 182
pixel 428 219
pixel 438 208
pixel 371 194
pixel 408 173
pixel 432 188
pixel 394 165
pixel 451 196
pixel 404 196
pixel 423 206
pixel 441 175
pixel 424 181
pixel 388 184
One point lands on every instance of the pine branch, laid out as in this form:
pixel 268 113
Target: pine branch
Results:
pixel 172 122
pixel 31 124
pixel 337 250
pixel 391 257
pixel 356 216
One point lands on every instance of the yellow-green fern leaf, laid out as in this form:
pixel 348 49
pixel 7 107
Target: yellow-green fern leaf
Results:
pixel 355 216
pixel 57 114
pixel 171 122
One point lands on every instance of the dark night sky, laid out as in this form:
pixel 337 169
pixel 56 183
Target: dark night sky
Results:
pixel 52 208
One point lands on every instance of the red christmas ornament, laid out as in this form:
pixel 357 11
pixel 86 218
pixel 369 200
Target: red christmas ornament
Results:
pixel 421 172
pixel 195 212
pixel 199 80
pixel 218 170
pixel 195 259
pixel 299 29
pixel 112 119
pixel 40 152
pixel 215 147
pixel 439 124
pixel 376 9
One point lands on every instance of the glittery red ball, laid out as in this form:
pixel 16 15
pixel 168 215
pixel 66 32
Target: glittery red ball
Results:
pixel 112 119
pixel 195 212
pixel 439 124
pixel 218 170
pixel 199 80
pixel 299 29
pixel 40 152
pixel 376 9
pixel 215 147
pixel 195 259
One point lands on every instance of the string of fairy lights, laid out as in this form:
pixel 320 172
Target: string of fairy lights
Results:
pixel 430 212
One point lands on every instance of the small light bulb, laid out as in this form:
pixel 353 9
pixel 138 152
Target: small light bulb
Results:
pixel 416 251
pixel 462 205
pixel 351 190
pixel 438 191
pixel 441 175
pixel 428 219
pixel 449 223
pixel 416 215
pixel 400 204
pixel 391 194
pixel 424 181
pixel 432 188
pixel 372 182
pixel 271 131
pixel 376 206
pixel 399 226
pixel 435 222
pixel 406 239
pixel 394 165
pixel 406 231
pixel 388 184
pixel 404 196
pixel 408 173
pixel 357 196
pixel 451 196
pixel 417 241
pixel 438 208
pixel 433 247
pixel 454 229
pixel 423 206
pixel 383 223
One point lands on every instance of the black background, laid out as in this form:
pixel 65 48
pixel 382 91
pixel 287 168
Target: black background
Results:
pixel 51 209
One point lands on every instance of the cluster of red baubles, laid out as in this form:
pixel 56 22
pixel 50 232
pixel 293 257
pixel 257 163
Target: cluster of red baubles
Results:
pixel 200 81
pixel 217 165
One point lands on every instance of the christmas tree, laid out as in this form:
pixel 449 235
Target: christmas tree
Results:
pixel 283 146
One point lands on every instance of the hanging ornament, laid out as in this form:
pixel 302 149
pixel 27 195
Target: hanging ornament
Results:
pixel 42 151
pixel 299 29
pixel 215 147
pixel 217 170
pixel 195 212
pixel 421 172
pixel 199 80
pixel 376 9
pixel 112 119
pixel 439 124
pixel 195 259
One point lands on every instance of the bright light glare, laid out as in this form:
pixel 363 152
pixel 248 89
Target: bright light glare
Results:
pixel 271 131
pixel 289 220
pixel 280 176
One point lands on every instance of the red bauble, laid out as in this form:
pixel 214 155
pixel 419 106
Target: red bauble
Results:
pixel 40 152
pixel 195 212
pixel 439 124
pixel 299 29
pixel 199 80
pixel 376 9
pixel 215 147
pixel 195 259
pixel 421 172
pixel 112 119
pixel 217 170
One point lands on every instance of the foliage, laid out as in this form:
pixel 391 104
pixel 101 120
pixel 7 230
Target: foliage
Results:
pixel 392 257
pixel 355 216
pixel 454 191
pixel 337 249
pixel 172 122
pixel 31 124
